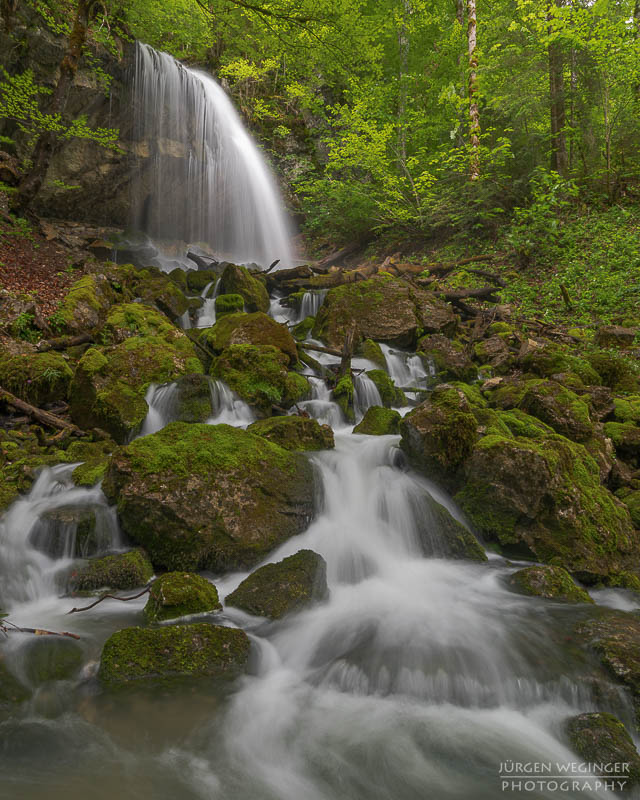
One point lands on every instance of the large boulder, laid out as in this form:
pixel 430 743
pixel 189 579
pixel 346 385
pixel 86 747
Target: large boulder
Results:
pixel 600 738
pixel 136 319
pixel 552 583
pixel 209 496
pixel 258 374
pixel 164 655
pixel 294 433
pixel 256 329
pixel 238 280
pixel 38 378
pixel 615 336
pixel 86 304
pixel 379 421
pixel 442 536
pixel 119 571
pixel 180 594
pixel 290 585
pixel 449 358
pixel 382 308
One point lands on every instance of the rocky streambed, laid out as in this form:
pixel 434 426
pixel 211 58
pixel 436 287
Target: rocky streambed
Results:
pixel 381 572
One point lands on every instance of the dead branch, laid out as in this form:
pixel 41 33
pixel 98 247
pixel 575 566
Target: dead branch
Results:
pixel 347 351
pixel 485 293
pixel 111 597
pixel 45 417
pixel 62 342
pixel 35 631
pixel 319 349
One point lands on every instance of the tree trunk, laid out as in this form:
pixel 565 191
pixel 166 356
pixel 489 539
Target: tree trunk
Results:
pixel 559 159
pixel 474 113
pixel 45 146
pixel 403 46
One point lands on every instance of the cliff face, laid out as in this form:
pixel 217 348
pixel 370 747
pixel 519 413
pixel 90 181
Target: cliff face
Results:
pixel 100 92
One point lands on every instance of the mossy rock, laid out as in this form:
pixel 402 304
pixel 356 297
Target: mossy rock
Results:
pixel 12 692
pixel 238 280
pixel 193 398
pixel 440 433
pixel 198 279
pixel 136 319
pixel 209 496
pixel 553 360
pixel 90 473
pixel 615 370
pixel 86 304
pixel 303 329
pixel 448 357
pixel 373 352
pixel 179 277
pixel 180 594
pixel 229 304
pixel 389 394
pixel 632 502
pixel 293 584
pixel 256 329
pixel 49 658
pixel 600 738
pixel 494 352
pixel 38 378
pixel 156 289
pixel 442 536
pixel 383 309
pixel 379 421
pixel 552 583
pixel 542 499
pixel 169 654
pixel 616 336
pixel 343 395
pixel 294 433
pixel 627 409
pixel 625 437
pixel 258 374
pixel 120 571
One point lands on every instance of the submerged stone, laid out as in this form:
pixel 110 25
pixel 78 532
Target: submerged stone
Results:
pixel 12 691
pixel 51 658
pixel 274 590
pixel 379 421
pixel 294 433
pixel 139 656
pixel 553 583
pixel 179 594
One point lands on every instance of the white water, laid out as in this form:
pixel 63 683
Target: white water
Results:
pixel 365 395
pixel 207 314
pixel 406 369
pixel 203 178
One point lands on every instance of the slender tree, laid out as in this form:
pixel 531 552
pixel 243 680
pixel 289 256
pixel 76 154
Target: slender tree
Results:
pixel 474 112
pixel 559 158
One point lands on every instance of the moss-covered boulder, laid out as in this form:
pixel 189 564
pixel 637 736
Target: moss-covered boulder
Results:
pixel 442 536
pixel 618 371
pixel 553 359
pixel 180 594
pixel 290 585
pixel 257 329
pixel 258 374
pixel 632 502
pixel 389 393
pixel 49 658
pixel 238 280
pixel 120 571
pixel 373 352
pixel 136 319
pixel 600 738
pixel 493 352
pixel 626 439
pixel 109 385
pixel 440 433
pixel 294 433
pixel 193 398
pixel 550 402
pixel 302 330
pixel 626 409
pixel 38 378
pixel 542 498
pixel 229 304
pixel 12 692
pixel 343 394
pixel 553 583
pixel 155 288
pixel 379 421
pixel 198 279
pixel 384 309
pixel 209 496
pixel 86 304
pixel 90 473
pixel 616 336
pixel 449 358
pixel 170 654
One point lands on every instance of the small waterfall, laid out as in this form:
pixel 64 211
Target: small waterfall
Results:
pixel 405 369
pixel 365 395
pixel 203 179
pixel 39 534
pixel 163 406
pixel 227 407
pixel 321 406
pixel 207 314
pixel 311 302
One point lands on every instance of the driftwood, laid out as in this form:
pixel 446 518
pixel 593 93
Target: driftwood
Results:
pixel 202 262
pixel 111 597
pixel 44 417
pixel 347 351
pixel 283 275
pixel 272 266
pixel 9 627
pixel 320 349
pixel 485 293
pixel 62 342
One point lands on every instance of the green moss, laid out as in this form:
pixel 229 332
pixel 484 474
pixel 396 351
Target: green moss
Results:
pixel 163 655
pixel 84 297
pixel 632 502
pixel 343 395
pixel 238 280
pixel 520 423
pixel 615 370
pixel 389 394
pixel 256 329
pixel 94 361
pixel 553 360
pixel 198 279
pixel 499 329
pixel 373 352
pixel 179 277
pixel 126 319
pixel 290 585
pixel 180 594
pixel 51 659
pixel 379 421
pixel 625 437
pixel 121 571
pixel 193 400
pixel 294 433
pixel 38 378
pixel 12 692
pixel 303 329
pixel 627 409
pixel 90 473
pixel 553 583
pixel 157 289
pixel 229 304
pixel 600 738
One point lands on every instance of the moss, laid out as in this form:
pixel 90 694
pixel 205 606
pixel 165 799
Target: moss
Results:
pixel 94 361
pixel 121 571
pixel 625 437
pixel 198 279
pixel 177 652
pixel 553 583
pixel 157 289
pixel 38 378
pixel 294 433
pixel 238 280
pixel 296 389
pixel 373 352
pixel 600 738
pixel 379 421
pixel 472 393
pixel 627 409
pixel 303 329
pixel 126 319
pixel 615 370
pixel 442 536
pixel 89 473
pixel 389 394
pixel 553 360
pixel 278 589
pixel 179 277
pixel 256 329
pixel 50 659
pixel 632 502
pixel 520 423
pixel 180 594
pixel 343 395
pixel 193 400
pixel 229 304
pixel 85 304
pixel 12 692
pixel 500 329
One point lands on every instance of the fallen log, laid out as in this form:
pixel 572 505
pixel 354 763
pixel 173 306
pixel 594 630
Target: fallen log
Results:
pixel 202 262
pixel 275 279
pixel 338 255
pixel 320 349
pixel 44 417
pixel 62 342
pixel 484 293
pixel 347 351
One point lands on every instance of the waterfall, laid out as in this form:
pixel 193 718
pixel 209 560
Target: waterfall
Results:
pixel 204 179
pixel 207 314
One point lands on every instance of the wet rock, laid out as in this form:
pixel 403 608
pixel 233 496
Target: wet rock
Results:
pixel 293 584
pixel 238 280
pixel 494 352
pixel 389 393
pixel 343 394
pixel 193 399
pixel 625 437
pixel 294 433
pixel 379 421
pixel 198 279
pixel 615 336
pixel 49 658
pixel 442 536
pixel 120 571
pixel 166 655
pixel 179 594
pixel 553 583
pixel 86 304
pixel 600 738
pixel 209 496
pixel 256 329
pixel 155 288
pixel 449 358
pixel 38 378
pixel 229 304
pixel 373 352
pixel 12 691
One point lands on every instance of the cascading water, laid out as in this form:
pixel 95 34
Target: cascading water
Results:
pixel 203 178
pixel 207 314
